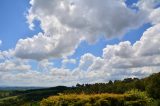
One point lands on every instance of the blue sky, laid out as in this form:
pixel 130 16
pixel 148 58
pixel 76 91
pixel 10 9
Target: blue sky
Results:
pixel 13 22
pixel 17 18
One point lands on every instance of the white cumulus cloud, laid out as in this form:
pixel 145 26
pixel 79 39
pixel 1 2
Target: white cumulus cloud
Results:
pixel 66 23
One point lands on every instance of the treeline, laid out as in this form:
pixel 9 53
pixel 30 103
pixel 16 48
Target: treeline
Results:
pixel 128 92
pixel 149 84
pixel 110 87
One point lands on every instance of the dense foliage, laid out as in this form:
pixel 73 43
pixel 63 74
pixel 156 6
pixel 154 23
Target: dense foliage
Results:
pixel 150 84
pixel 131 98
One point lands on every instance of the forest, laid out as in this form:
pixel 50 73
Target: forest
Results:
pixel 126 92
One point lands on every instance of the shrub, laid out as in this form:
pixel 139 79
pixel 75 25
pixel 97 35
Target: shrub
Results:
pixel 130 98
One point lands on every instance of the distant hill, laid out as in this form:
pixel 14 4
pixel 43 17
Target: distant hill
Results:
pixel 19 88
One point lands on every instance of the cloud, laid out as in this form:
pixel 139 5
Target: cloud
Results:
pixel 154 16
pixel 123 49
pixel 123 60
pixel 86 17
pixel 67 61
pixel 14 65
pixel 145 52
pixel 6 54
pixel 27 78
pixel 117 62
pixel 151 7
pixel 42 47
pixel 149 42
pixel 66 23
pixel 9 63
pixel 86 60
pixel 147 5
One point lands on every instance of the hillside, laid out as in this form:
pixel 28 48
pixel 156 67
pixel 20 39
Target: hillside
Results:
pixel 21 97
pixel 149 87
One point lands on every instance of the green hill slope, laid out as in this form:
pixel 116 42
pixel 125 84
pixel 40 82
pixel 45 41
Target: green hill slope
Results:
pixel 150 85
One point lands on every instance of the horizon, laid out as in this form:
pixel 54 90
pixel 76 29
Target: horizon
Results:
pixel 57 42
pixel 13 86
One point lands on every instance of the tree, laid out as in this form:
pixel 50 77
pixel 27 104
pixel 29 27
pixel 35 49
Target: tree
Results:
pixel 153 86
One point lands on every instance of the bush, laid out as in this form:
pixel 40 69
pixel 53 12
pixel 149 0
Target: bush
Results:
pixel 138 98
pixel 130 98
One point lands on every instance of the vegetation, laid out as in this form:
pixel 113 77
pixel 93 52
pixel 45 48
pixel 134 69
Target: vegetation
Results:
pixel 150 84
pixel 4 93
pixel 111 87
pixel 29 97
pixel 128 92
pixel 131 98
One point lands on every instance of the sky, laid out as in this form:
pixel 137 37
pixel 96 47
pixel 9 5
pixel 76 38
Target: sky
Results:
pixel 57 42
